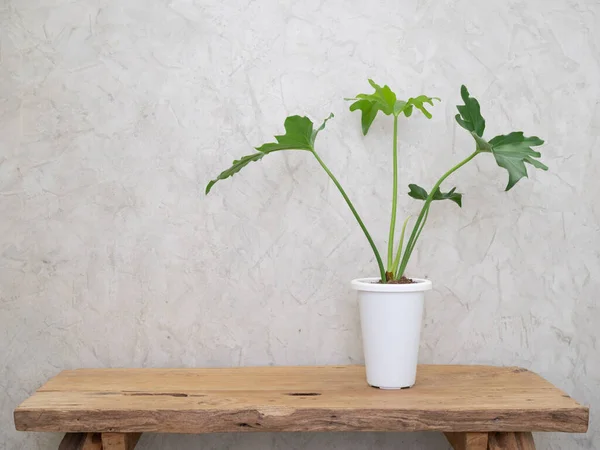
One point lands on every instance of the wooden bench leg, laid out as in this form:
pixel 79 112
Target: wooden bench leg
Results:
pixel 81 441
pixel 468 441
pixel 120 441
pixel 511 441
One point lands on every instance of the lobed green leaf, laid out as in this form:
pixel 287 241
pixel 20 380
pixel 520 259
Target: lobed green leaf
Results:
pixel 406 107
pixel 237 165
pixel 417 192
pixel 512 151
pixel 299 135
pixel 386 101
pixel 383 99
pixel 321 128
pixel 469 116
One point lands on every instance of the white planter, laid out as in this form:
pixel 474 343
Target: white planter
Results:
pixel 390 317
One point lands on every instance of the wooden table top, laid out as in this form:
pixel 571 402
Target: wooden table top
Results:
pixel 321 398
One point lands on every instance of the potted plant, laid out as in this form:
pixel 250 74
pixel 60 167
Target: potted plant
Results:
pixel 391 304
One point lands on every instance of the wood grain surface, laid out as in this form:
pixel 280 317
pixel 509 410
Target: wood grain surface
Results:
pixel 511 441
pixel 120 441
pixel 468 441
pixel 81 441
pixel 325 398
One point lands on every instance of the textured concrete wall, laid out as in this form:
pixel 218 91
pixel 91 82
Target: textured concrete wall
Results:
pixel 115 114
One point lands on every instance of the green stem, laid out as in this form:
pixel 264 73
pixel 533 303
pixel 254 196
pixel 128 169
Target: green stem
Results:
pixel 356 216
pixel 400 244
pixel 409 249
pixel 420 223
pixel 390 255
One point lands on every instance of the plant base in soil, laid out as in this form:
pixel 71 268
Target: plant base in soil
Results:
pixel 401 280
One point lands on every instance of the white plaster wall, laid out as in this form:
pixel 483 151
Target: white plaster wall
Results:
pixel 114 115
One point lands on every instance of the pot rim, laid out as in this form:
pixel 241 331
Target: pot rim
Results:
pixel 370 284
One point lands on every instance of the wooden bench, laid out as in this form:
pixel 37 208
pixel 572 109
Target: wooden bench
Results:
pixel 476 407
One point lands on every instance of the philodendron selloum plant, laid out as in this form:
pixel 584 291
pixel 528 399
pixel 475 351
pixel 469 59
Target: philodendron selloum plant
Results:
pixel 391 304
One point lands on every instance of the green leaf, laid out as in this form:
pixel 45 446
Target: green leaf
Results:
pixel 321 128
pixel 299 135
pixel 419 193
pixel 417 102
pixel 237 165
pixel 470 116
pixel 369 112
pixel 385 100
pixel 384 95
pixel 512 151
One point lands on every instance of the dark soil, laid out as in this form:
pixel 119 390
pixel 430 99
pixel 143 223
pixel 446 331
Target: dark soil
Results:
pixel 402 280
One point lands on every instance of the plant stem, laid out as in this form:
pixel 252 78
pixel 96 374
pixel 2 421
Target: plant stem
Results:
pixel 390 256
pixel 356 216
pixel 409 250
pixel 400 244
pixel 420 223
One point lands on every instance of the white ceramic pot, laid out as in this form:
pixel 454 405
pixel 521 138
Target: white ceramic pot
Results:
pixel 390 317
